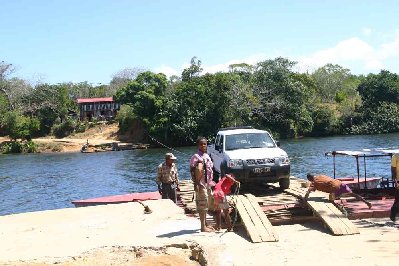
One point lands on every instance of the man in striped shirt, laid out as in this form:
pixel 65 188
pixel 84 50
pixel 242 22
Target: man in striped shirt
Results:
pixel 168 178
pixel 201 169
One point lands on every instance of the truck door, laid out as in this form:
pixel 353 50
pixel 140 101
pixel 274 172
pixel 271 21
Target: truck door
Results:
pixel 217 157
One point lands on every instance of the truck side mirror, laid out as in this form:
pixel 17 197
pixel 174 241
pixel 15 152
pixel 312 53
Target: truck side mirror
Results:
pixel 278 143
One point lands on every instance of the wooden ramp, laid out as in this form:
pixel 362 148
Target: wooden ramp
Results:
pixel 331 216
pixel 255 221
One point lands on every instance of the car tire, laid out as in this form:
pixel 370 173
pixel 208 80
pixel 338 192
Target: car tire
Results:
pixel 284 183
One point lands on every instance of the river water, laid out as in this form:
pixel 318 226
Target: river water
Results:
pixel 35 182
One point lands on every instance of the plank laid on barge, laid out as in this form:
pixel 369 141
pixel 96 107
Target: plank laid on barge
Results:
pixel 333 218
pixel 257 225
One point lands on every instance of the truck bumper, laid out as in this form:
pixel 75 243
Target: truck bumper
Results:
pixel 261 174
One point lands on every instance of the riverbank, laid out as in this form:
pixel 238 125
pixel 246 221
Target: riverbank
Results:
pixel 122 234
pixel 101 134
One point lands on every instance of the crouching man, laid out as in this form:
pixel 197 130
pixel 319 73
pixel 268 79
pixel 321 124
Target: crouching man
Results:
pixel 333 186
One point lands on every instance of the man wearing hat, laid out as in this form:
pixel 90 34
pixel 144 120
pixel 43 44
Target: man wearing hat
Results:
pixel 167 178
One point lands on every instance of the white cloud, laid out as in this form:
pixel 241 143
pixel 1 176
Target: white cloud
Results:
pixel 253 59
pixel 354 53
pixel 374 65
pixel 352 49
pixel 390 49
pixel 366 31
pixel 167 70
pixel 223 67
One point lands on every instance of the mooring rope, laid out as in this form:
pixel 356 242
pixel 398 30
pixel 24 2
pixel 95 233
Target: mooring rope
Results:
pixel 165 146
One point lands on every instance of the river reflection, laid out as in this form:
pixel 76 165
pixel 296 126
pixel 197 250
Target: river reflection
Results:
pixel 37 182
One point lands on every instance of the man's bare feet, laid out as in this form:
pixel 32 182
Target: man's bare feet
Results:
pixel 208 229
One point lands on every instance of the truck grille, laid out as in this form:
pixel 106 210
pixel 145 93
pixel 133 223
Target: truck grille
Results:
pixel 260 161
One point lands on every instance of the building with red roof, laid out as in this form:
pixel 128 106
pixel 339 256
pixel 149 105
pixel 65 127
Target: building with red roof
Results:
pixel 98 108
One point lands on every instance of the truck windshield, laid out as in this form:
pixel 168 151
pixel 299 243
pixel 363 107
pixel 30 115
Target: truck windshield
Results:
pixel 248 141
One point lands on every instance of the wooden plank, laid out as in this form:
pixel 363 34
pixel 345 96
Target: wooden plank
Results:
pixel 332 217
pixel 337 222
pixel 271 234
pixel 246 219
pixel 351 227
pixel 323 212
pixel 264 235
pixel 348 225
pixel 262 224
pixel 297 192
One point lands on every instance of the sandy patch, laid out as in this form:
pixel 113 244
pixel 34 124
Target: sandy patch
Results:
pixel 98 135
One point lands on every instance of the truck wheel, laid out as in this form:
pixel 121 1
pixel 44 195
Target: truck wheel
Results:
pixel 284 183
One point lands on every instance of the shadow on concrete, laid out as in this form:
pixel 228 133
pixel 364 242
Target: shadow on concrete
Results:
pixel 179 233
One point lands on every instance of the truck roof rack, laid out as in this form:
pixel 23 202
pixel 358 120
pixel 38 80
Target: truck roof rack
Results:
pixel 239 127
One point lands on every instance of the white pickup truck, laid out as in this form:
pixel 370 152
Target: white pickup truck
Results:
pixel 252 155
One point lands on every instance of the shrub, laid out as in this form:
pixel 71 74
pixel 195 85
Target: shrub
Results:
pixel 381 119
pixel 30 147
pixel 53 147
pixel 324 121
pixel 64 129
pixel 81 127
pixel 19 147
pixel 125 118
pixel 12 147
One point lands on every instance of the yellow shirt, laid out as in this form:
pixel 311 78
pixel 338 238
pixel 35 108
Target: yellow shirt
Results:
pixel 395 164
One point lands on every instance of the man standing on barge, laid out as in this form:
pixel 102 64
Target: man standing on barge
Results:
pixel 395 177
pixel 167 178
pixel 201 169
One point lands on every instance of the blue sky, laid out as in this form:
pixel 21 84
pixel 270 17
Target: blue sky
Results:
pixel 91 40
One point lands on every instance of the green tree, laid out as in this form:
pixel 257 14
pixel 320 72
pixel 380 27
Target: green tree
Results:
pixel 334 83
pixel 48 103
pixel 146 96
pixel 282 98
pixel 193 71
pixel 184 112
pixel 325 121
pixel 19 126
pixel 378 88
pixel 384 118
pixel 122 78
